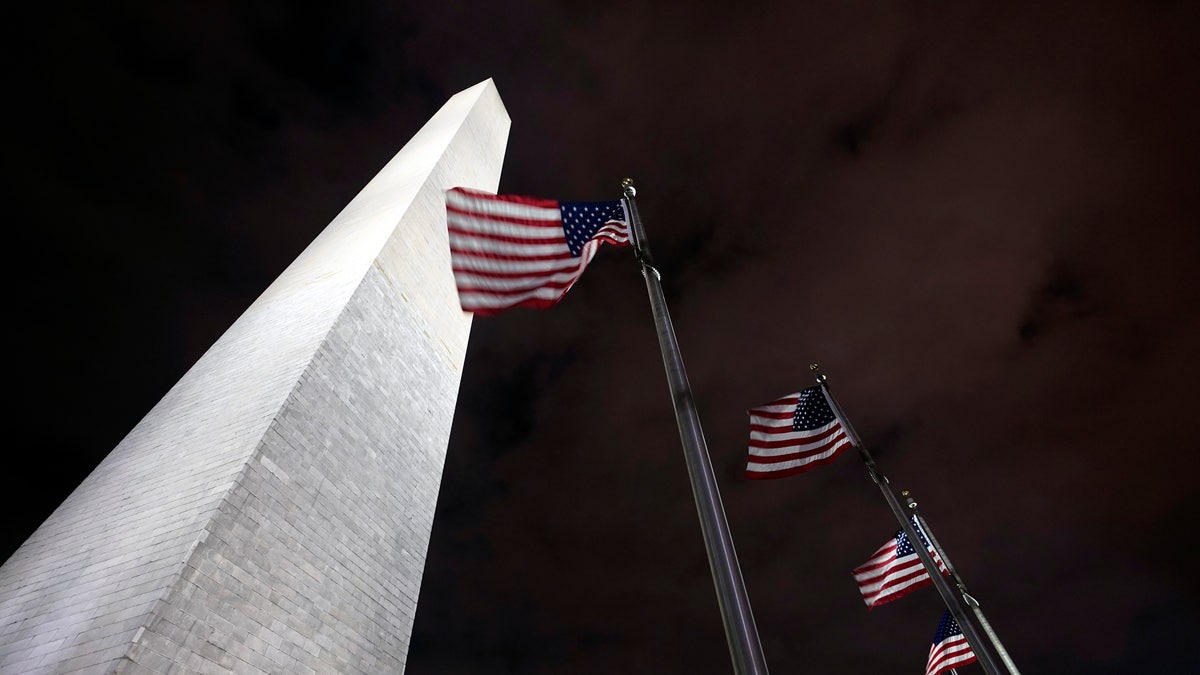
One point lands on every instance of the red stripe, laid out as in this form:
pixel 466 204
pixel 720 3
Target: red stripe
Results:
pixel 512 220
pixel 779 459
pixel 887 550
pixel 491 255
pixel 883 599
pixel 764 475
pixel 479 234
pixel 858 571
pixel 787 400
pixel 608 239
pixel 888 592
pixel 512 199
pixel 512 275
pixel 755 443
pixel 774 445
pixel 495 292
pixel 900 567
pixel 533 303
pixel 789 430
pixel 475 215
pixel 956 651
pixel 775 415
pixel 899 576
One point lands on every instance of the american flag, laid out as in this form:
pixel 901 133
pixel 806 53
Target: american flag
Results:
pixel 895 570
pixel 509 251
pixel 794 434
pixel 949 648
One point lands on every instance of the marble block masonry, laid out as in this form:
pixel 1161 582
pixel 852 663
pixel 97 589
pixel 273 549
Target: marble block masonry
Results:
pixel 271 514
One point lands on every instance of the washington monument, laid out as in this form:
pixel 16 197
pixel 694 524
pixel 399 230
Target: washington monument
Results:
pixel 271 514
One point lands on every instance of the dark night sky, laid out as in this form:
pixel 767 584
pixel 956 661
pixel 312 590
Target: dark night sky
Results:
pixel 979 218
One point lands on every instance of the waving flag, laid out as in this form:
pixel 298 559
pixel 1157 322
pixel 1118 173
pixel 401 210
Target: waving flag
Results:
pixel 895 570
pixel 794 434
pixel 509 251
pixel 950 647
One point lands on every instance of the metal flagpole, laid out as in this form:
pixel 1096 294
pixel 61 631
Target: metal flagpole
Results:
pixel 740 631
pixel 951 599
pixel 962 586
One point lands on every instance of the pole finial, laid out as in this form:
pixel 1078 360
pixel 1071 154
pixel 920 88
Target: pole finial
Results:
pixel 627 187
pixel 816 371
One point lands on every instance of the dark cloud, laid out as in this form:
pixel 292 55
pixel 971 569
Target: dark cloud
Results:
pixel 979 219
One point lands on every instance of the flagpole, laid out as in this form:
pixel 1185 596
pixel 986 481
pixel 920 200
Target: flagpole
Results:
pixel 951 599
pixel 740 630
pixel 962 586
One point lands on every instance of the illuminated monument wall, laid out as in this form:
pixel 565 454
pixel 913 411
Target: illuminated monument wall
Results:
pixel 272 512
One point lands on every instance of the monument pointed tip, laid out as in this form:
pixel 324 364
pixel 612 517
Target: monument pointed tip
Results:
pixel 479 87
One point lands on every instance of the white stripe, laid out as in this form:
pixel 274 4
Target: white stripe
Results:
pixel 874 595
pixel 517 250
pixel 955 646
pixel 484 300
pixel 881 556
pixel 761 467
pixel 878 562
pixel 466 279
pixel 617 231
pixel 485 265
pixel 801 447
pixel 952 651
pixel 470 264
pixel 904 565
pixel 891 574
pixel 781 408
pixel 957 660
pixel 481 226
pixel 785 422
pixel 470 225
pixel 873 592
pixel 481 299
pixel 785 432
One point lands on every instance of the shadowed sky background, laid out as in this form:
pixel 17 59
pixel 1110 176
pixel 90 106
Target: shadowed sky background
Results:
pixel 979 219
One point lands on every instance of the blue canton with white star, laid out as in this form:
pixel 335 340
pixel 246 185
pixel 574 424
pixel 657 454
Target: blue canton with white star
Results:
pixel 812 411
pixel 582 220
pixel 904 546
pixel 947 628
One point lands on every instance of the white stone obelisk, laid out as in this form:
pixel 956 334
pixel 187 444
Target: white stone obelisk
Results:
pixel 271 514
